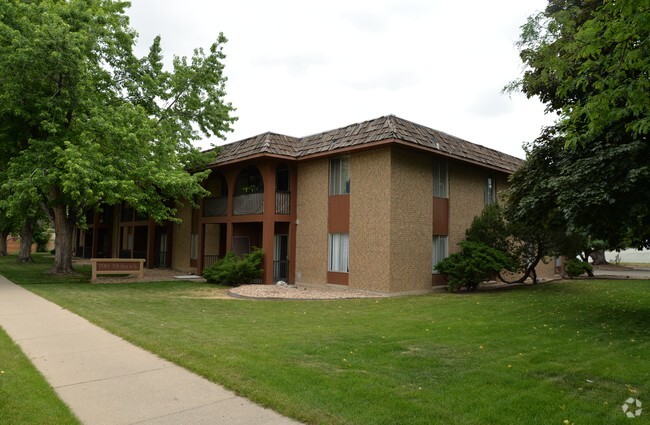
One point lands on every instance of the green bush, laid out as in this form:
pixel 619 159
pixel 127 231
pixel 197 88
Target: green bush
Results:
pixel 575 268
pixel 475 263
pixel 232 270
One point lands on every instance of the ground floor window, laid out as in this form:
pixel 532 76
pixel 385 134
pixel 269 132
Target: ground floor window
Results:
pixel 338 252
pixel 440 250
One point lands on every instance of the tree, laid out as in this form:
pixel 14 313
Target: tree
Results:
pixel 92 124
pixel 589 61
pixel 475 263
pixel 5 230
pixel 232 270
pixel 524 244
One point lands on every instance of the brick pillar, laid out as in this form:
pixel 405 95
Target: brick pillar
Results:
pixel 268 233
pixel 268 225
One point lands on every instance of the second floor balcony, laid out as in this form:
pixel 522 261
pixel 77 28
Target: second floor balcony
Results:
pixel 248 203
pixel 215 206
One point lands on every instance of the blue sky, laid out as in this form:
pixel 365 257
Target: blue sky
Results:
pixel 300 67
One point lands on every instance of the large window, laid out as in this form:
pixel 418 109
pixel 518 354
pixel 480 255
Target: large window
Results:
pixel 338 252
pixel 440 178
pixel 490 190
pixel 440 250
pixel 340 176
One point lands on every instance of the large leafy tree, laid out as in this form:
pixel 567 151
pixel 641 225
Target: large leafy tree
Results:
pixel 589 62
pixel 89 124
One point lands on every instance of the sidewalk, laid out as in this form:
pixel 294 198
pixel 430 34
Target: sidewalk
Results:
pixel 106 380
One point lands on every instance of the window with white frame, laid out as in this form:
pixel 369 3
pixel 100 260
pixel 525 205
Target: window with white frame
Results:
pixel 440 250
pixel 440 178
pixel 339 248
pixel 490 190
pixel 340 176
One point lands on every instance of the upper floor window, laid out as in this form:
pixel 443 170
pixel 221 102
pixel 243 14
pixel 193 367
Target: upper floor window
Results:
pixel 340 176
pixel 440 178
pixel 490 190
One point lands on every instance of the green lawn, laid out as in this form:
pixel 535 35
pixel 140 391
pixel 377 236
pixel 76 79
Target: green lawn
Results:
pixel 25 396
pixel 542 354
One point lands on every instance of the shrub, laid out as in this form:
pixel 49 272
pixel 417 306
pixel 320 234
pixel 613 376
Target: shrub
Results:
pixel 475 263
pixel 232 270
pixel 575 268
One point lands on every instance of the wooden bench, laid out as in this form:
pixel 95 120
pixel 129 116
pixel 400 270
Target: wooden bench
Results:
pixel 117 266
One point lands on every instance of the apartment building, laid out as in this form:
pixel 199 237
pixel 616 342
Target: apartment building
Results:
pixel 373 206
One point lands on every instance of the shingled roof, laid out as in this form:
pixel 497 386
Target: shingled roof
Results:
pixel 388 128
pixel 267 143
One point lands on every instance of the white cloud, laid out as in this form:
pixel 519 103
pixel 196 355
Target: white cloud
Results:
pixel 300 67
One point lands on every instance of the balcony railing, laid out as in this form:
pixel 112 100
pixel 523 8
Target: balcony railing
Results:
pixel 283 202
pixel 215 206
pixel 209 260
pixel 248 203
pixel 160 260
pixel 280 270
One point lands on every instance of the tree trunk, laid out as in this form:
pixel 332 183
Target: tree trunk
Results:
pixel 598 257
pixel 26 233
pixel 3 244
pixel 63 229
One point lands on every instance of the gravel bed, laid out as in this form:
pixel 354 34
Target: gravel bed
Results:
pixel 292 292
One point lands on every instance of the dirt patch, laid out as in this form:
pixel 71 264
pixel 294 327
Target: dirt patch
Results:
pixel 291 292
pixel 208 294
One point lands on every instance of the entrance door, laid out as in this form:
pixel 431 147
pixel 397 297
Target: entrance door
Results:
pixel 160 251
pixel 281 258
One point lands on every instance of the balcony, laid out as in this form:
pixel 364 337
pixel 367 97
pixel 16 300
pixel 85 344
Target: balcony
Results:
pixel 248 203
pixel 282 202
pixel 215 206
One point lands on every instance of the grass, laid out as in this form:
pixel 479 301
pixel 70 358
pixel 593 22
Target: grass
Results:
pixel 25 396
pixel 545 354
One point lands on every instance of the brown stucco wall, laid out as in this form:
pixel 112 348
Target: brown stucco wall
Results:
pixel 311 230
pixel 502 184
pixel 370 220
pixel 391 213
pixel 181 237
pixel 212 238
pixel 466 199
pixel 411 215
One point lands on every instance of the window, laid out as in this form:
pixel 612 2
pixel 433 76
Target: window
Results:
pixel 440 251
pixel 490 190
pixel 340 176
pixel 440 178
pixel 338 252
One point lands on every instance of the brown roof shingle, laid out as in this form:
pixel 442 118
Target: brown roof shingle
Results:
pixel 387 128
pixel 266 143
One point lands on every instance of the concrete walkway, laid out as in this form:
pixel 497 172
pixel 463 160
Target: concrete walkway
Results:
pixel 106 380
pixel 635 273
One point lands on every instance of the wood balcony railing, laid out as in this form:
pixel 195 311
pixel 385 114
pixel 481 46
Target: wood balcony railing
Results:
pixel 215 206
pixel 283 202
pixel 248 203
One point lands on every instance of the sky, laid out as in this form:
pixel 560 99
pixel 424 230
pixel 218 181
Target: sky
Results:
pixel 303 67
